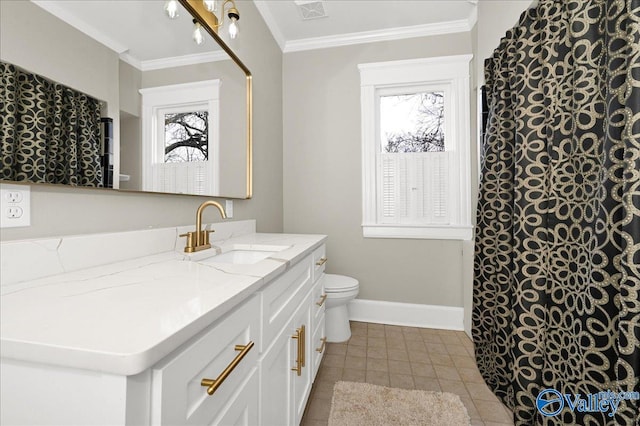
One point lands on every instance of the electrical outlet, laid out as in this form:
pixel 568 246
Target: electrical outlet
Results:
pixel 228 207
pixel 15 205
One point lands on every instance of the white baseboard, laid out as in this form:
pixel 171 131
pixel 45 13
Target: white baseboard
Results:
pixel 407 314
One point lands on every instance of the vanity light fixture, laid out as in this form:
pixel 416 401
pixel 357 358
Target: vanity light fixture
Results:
pixel 232 13
pixel 211 6
pixel 171 8
pixel 198 33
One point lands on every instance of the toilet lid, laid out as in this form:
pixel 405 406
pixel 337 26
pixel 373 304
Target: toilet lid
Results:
pixel 339 283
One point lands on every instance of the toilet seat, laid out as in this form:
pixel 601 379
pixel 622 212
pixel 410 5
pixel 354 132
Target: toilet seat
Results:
pixel 339 283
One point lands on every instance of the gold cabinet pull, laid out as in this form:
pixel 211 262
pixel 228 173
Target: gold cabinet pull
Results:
pixel 299 336
pixel 321 261
pixel 213 384
pixel 322 299
pixel 324 343
pixel 304 346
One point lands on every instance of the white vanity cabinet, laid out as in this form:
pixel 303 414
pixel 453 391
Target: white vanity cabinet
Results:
pixel 258 361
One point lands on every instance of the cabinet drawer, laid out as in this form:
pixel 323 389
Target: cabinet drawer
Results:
pixel 318 302
pixel 177 394
pixel 282 297
pixel 318 346
pixel 319 259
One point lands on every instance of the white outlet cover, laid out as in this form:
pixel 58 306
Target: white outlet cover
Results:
pixel 15 205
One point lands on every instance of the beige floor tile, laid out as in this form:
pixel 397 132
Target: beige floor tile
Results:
pixel 463 361
pixel 397 355
pixel 330 374
pixel 353 375
pixel 336 349
pixel 319 409
pixel 376 342
pixel 451 339
pixel 377 378
pixel 423 369
pixel 419 357
pixel 437 348
pixel 313 422
pixel 357 341
pixel 471 375
pixel 333 360
pixel 355 362
pixel 395 341
pixel 399 367
pixel 455 386
pixel 438 359
pixel 375 332
pixel 357 351
pixel 492 412
pixel 416 346
pixel 456 350
pixel 426 383
pixel 406 357
pixel 481 391
pixel 401 381
pixel 378 353
pixel 471 408
pixel 447 373
pixel 377 365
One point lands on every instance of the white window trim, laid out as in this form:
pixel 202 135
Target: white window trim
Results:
pixel 176 96
pixel 451 72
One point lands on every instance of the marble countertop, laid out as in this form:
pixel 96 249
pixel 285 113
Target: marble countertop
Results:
pixel 123 317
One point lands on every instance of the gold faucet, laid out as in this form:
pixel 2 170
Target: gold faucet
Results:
pixel 199 239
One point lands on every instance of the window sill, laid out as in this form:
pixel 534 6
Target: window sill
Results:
pixel 432 232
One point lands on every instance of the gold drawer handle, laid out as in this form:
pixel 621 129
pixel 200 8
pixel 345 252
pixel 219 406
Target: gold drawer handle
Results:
pixel 324 343
pixel 321 261
pixel 299 336
pixel 322 299
pixel 214 384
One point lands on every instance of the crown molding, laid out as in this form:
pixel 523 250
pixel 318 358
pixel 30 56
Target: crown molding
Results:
pixel 179 61
pixel 54 8
pixel 272 25
pixel 399 33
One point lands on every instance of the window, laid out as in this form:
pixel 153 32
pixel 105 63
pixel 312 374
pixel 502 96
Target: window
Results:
pixel 180 138
pixel 415 148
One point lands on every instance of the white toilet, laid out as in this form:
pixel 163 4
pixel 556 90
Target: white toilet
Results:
pixel 340 290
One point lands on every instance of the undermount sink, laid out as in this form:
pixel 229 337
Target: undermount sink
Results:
pixel 241 254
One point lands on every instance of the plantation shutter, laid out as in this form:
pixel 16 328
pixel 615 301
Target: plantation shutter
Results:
pixel 194 177
pixel 414 188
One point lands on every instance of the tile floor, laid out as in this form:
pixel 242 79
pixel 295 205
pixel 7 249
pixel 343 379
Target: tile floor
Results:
pixel 406 357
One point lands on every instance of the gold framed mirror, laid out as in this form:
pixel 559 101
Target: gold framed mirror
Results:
pixel 53 38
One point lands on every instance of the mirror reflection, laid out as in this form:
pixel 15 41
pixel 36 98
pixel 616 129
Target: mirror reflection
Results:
pixel 173 115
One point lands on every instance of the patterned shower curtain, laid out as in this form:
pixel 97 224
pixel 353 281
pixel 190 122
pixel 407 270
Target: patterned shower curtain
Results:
pixel 556 317
pixel 49 133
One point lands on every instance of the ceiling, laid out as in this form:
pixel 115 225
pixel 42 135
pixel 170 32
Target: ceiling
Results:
pixel 358 21
pixel 140 32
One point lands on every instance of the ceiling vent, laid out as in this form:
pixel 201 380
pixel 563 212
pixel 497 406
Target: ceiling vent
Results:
pixel 311 9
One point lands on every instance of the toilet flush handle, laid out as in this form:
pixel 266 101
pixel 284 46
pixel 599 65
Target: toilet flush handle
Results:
pixel 322 299
pixel 321 261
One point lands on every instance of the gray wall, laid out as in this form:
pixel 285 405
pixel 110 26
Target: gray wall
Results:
pixel 322 174
pixel 65 211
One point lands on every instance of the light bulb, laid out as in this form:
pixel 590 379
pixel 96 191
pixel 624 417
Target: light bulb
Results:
pixel 198 33
pixel 171 8
pixel 233 27
pixel 210 5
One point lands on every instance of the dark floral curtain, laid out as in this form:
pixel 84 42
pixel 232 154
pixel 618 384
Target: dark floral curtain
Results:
pixel 556 317
pixel 49 133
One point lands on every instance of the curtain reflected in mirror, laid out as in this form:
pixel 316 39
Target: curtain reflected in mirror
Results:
pixel 49 133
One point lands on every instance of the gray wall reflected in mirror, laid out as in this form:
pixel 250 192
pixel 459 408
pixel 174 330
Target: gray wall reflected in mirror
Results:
pixel 35 40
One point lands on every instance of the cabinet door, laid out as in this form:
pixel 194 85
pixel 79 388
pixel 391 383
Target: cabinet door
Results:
pixel 276 381
pixel 302 383
pixel 242 410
